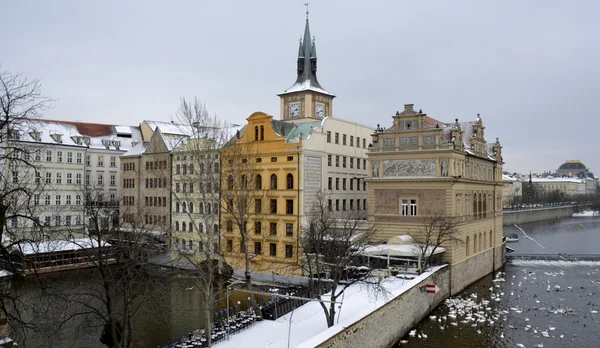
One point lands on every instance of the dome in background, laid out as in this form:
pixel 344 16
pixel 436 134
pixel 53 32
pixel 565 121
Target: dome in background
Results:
pixel 572 167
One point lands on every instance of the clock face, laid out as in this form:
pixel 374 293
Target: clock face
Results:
pixel 295 110
pixel 320 110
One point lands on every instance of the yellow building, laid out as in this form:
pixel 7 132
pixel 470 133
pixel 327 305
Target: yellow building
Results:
pixel 261 195
pixel 276 168
pixel 421 167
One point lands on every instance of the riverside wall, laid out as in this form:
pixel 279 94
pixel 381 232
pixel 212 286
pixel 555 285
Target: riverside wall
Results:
pixel 533 215
pixel 388 324
pixel 383 327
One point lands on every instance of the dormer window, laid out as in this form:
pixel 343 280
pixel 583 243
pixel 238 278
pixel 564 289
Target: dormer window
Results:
pixel 35 135
pixel 86 141
pixel 76 139
pixel 57 137
pixel 106 143
pixel 116 144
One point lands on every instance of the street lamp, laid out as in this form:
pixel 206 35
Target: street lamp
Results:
pixel 228 289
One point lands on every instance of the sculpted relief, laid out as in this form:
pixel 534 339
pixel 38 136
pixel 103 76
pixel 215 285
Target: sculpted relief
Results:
pixel 409 167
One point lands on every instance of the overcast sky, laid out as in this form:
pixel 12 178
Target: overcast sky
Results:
pixel 530 68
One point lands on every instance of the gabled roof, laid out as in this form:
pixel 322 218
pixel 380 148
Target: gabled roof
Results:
pixel 169 127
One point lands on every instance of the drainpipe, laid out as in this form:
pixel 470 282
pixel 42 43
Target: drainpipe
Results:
pixel 298 208
pixel 494 235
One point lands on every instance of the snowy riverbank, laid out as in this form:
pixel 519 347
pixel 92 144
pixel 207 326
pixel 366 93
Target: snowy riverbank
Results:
pixel 586 213
pixel 309 327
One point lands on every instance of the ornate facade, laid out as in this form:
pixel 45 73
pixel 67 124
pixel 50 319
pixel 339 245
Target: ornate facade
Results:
pixel 420 166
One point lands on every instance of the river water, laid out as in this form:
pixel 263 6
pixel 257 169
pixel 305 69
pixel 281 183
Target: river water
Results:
pixel 528 303
pixel 173 311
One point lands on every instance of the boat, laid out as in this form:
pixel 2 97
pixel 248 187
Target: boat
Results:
pixel 511 238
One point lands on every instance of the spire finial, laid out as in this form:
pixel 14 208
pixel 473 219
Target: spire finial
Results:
pixel 306 4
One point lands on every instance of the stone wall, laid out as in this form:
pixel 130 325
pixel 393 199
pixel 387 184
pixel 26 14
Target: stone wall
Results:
pixel 388 324
pixel 533 215
pixel 476 267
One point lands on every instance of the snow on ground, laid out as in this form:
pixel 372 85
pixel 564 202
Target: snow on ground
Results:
pixel 586 213
pixel 309 326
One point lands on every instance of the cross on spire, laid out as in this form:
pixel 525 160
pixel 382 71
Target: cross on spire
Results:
pixel 306 4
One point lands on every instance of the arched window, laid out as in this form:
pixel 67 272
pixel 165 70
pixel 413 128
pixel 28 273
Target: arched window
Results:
pixel 244 181
pixel 216 167
pixel 183 226
pixel 191 207
pixel 480 242
pixel 184 207
pixel 255 132
pixel 191 245
pixel 191 165
pixel 177 207
pixel 262 132
pixel 484 205
pixel 475 244
pixel 289 182
pixel 200 228
pixel 201 208
pixel 467 247
pixel 485 240
pixel 191 226
pixel 208 208
pixel 273 181
pixel 183 245
pixel 258 182
pixel 200 246
pixel 215 228
pixel 230 183
pixel 176 225
pixel 475 205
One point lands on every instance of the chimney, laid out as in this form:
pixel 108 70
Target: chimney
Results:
pixel 408 107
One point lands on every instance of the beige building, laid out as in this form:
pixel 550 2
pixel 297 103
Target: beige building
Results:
pixel 512 192
pixel 146 185
pixel 420 166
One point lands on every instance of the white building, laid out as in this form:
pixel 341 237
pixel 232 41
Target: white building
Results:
pixel 73 163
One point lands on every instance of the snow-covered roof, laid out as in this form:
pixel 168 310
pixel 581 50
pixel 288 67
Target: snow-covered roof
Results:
pixel 557 180
pixel 79 134
pixel 29 248
pixel 169 127
pixel 137 150
pixel 401 250
pixel 305 86
pixel 506 177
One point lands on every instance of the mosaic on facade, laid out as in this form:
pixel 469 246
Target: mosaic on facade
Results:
pixel 409 167
pixel 389 142
pixel 429 140
pixel 409 141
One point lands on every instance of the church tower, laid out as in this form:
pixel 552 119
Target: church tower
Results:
pixel 306 99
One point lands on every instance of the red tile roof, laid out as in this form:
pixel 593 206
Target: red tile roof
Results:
pixel 89 129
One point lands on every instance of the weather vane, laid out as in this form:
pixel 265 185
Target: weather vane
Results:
pixel 306 4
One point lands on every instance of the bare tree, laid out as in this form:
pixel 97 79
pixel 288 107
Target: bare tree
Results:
pixel 436 230
pixel 196 198
pixel 332 245
pixel 118 281
pixel 244 199
pixel 21 101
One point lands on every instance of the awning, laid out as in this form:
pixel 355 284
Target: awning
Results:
pixel 399 250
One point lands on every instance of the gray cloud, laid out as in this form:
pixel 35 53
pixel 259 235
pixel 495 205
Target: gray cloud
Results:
pixel 529 67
